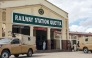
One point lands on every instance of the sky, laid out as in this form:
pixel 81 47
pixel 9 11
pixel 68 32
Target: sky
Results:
pixel 80 13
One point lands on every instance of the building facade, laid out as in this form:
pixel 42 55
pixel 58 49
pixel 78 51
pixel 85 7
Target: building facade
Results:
pixel 76 37
pixel 38 18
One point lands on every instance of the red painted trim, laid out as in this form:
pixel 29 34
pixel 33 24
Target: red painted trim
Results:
pixel 39 28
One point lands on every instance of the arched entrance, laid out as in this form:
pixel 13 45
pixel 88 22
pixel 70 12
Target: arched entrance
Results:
pixel 41 36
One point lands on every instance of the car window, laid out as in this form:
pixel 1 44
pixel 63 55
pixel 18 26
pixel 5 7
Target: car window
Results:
pixel 5 40
pixel 16 41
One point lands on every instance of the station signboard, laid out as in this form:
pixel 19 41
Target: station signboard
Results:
pixel 36 20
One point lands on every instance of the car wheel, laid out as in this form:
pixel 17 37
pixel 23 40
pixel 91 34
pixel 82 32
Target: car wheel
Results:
pixel 91 51
pixel 29 53
pixel 85 50
pixel 5 54
pixel 16 55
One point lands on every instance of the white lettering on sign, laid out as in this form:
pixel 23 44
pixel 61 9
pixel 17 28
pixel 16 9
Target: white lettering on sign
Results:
pixel 23 18
pixel 20 18
pixel 36 20
pixel 60 23
pixel 16 17
pixel 43 21
pixel 55 22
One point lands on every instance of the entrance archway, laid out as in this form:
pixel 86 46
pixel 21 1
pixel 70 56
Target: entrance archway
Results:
pixel 55 38
pixel 41 36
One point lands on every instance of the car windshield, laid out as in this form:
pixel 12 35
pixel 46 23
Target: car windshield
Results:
pixel 5 40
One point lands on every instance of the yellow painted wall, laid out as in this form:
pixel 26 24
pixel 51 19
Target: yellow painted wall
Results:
pixel 81 39
pixel 54 15
pixel 31 7
pixel 26 10
pixel 37 7
pixel 33 10
pixel 17 3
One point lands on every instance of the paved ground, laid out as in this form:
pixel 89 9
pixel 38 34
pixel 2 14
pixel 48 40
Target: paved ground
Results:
pixel 60 55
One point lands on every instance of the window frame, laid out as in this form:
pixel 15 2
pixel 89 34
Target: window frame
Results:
pixel 15 42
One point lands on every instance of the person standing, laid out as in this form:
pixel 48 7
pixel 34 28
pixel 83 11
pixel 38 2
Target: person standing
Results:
pixel 74 47
pixel 44 45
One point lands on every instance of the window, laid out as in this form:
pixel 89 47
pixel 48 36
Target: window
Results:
pixel 15 30
pixel 29 39
pixel 15 41
pixel 86 36
pixel 25 30
pixel 86 39
pixel 75 37
pixel 5 40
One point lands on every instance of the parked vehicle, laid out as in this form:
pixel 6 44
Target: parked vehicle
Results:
pixel 85 44
pixel 15 46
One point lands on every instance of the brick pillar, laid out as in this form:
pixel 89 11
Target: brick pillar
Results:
pixel 54 44
pixel 48 44
pixel 64 44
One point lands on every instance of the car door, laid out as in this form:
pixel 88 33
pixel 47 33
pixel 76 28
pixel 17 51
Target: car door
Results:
pixel 15 46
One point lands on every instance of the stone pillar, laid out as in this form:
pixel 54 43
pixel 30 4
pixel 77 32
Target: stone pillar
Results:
pixel 77 38
pixel 31 30
pixel 67 29
pixel 8 28
pixel 71 40
pixel 48 39
pixel 64 35
pixel 31 27
pixel 8 22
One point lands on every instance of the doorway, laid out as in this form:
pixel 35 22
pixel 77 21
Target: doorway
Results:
pixel 41 36
pixel 74 42
pixel 55 35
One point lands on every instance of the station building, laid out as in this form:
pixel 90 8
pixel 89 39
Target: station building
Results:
pixel 38 18
pixel 76 37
